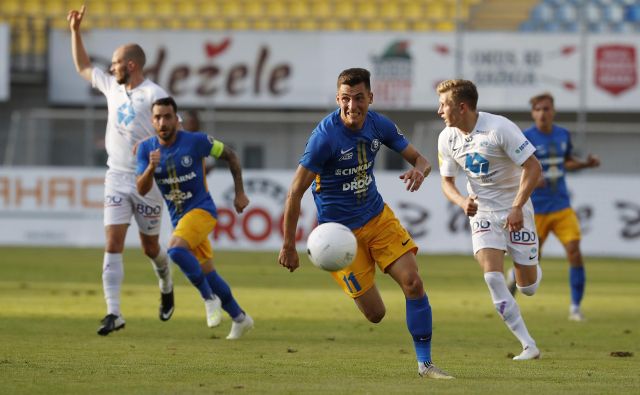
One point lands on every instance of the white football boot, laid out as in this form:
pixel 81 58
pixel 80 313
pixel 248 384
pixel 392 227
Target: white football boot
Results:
pixel 214 311
pixel 529 352
pixel 238 329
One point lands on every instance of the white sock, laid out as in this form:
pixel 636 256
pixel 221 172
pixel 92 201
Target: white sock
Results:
pixel 529 290
pixel 112 275
pixel 507 307
pixel 163 271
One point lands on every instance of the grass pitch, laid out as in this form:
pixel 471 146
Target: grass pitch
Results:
pixel 309 337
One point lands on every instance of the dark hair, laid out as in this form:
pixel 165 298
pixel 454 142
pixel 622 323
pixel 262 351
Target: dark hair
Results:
pixel 355 76
pixel 166 101
pixel 462 91
pixel 538 98
pixel 135 53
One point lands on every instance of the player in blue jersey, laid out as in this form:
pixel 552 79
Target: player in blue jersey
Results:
pixel 553 212
pixel 175 159
pixel 338 161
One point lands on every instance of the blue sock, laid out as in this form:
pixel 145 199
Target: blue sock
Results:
pixel 191 268
pixel 419 324
pixel 222 290
pixel 577 280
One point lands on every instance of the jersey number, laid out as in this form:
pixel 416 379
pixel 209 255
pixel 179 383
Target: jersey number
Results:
pixel 352 283
pixel 477 164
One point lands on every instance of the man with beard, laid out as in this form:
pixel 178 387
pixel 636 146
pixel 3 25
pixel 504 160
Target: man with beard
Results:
pixel 129 97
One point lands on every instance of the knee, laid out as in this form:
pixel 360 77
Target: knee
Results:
pixel 531 289
pixel 151 249
pixel 412 286
pixel 375 316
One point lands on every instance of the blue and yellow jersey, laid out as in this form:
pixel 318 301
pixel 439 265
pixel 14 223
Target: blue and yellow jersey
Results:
pixel 551 150
pixel 180 175
pixel 345 186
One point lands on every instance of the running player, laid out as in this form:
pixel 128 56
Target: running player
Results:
pixel 501 173
pixel 129 97
pixel 553 212
pixel 338 161
pixel 176 160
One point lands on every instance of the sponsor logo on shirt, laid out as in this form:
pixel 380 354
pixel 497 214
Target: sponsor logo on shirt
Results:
pixel 126 113
pixel 177 180
pixel 522 146
pixel 353 170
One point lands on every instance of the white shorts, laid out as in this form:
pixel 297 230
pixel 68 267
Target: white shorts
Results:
pixel 488 231
pixel 122 200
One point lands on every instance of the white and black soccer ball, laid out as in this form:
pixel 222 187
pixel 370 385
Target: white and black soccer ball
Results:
pixel 331 246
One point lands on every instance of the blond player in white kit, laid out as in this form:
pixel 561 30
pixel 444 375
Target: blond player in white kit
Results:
pixel 501 173
pixel 129 97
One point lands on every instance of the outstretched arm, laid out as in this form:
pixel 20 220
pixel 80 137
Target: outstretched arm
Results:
pixel 80 58
pixel 288 256
pixel 241 200
pixel 420 170
pixel 573 163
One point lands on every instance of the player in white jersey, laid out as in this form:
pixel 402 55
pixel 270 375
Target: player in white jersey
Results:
pixel 129 97
pixel 501 173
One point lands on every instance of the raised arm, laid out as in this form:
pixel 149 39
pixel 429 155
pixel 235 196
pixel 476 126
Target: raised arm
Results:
pixel 80 58
pixel 414 177
pixel 241 200
pixel 288 256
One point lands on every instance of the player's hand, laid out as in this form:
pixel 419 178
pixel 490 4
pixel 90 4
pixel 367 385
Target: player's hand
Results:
pixel 413 179
pixel 74 17
pixel 288 258
pixel 593 161
pixel 470 206
pixel 240 202
pixel 154 158
pixel 515 220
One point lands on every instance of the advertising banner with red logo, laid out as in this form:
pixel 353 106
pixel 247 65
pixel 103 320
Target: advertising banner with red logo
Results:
pixel 298 70
pixel 63 207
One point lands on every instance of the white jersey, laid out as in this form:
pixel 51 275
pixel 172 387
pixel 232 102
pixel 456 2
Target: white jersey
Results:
pixel 491 156
pixel 129 119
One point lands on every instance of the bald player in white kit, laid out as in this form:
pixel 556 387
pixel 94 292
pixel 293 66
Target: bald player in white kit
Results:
pixel 129 97
pixel 502 172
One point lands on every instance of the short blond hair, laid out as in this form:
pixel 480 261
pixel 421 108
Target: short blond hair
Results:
pixel 462 91
pixel 538 98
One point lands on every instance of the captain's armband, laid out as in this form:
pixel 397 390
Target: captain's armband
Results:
pixel 216 149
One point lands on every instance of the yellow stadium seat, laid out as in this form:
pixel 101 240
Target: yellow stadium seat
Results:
pixel 321 9
pixel 421 26
pixel 119 9
pixel 208 8
pixel 231 8
pixel 377 25
pixel 12 7
pixel 195 23
pixel 160 8
pixel 366 9
pixel 94 8
pixel 150 23
pixel 390 9
pixel 412 10
pixel 446 25
pixel 239 24
pixel 344 9
pixel 399 25
pixel 216 23
pixel 299 9
pixel 32 7
pixel 276 9
pixel 355 24
pixel 188 8
pixel 331 24
pixel 436 10
pixel 127 22
pixel 55 8
pixel 308 24
pixel 252 9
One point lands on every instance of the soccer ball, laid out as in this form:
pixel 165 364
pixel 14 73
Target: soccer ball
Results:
pixel 331 246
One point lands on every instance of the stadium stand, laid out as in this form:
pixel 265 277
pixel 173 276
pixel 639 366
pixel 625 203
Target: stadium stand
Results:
pixel 601 16
pixel 31 19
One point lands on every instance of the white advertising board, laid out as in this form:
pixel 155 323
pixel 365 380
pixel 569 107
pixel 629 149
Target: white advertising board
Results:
pixel 63 207
pixel 298 70
pixel 5 61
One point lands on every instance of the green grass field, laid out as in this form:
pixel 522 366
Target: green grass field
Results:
pixel 309 337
